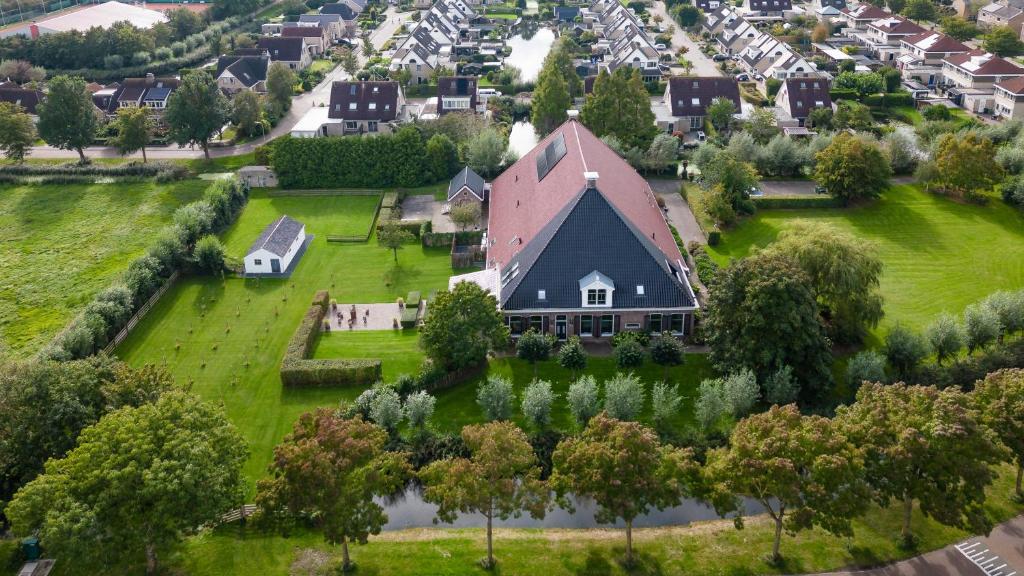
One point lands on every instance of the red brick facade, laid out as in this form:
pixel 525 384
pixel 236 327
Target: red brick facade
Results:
pixel 602 324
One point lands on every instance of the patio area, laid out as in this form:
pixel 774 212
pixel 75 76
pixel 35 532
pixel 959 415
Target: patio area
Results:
pixel 349 317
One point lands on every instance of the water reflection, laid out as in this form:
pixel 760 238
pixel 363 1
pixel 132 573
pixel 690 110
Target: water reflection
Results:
pixel 529 51
pixel 522 138
pixel 408 510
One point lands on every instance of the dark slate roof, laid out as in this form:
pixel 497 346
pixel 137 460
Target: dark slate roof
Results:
pixel 27 99
pixel 683 90
pixel 288 49
pixel 806 94
pixel 467 177
pixel 303 32
pixel 247 69
pixel 278 236
pixel 456 86
pixel 589 234
pixel 372 100
pixel 341 9
pixel 566 13
pixel 770 5
pixel 837 4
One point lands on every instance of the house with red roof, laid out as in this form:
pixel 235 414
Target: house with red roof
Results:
pixel 1009 98
pixel 921 55
pixel 576 244
pixel 858 17
pixel 970 78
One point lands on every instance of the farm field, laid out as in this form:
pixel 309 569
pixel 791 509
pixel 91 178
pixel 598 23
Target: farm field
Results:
pixel 225 338
pixel 60 244
pixel 939 255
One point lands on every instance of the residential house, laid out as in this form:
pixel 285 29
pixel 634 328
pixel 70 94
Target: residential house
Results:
pixel 431 43
pixel 422 4
pixel 457 94
pixel 710 6
pixel 237 73
pixel 737 35
pixel 150 92
pixel 798 96
pixel 766 9
pixel 687 99
pixel 349 17
pixel 970 78
pixel 278 248
pixel 883 38
pixel 578 246
pixel 858 17
pixel 467 186
pixel 26 98
pixel 838 5
pixel 290 51
pixel 1002 13
pixel 1009 98
pixel 315 36
pixel 367 107
pixel 566 13
pixel 921 56
pixel 333 25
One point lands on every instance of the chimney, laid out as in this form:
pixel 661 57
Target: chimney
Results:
pixel 591 179
pixel 572 114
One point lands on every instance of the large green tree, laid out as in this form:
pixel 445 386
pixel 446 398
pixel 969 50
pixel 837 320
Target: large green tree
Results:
pixel 851 168
pixel 919 10
pixel 720 113
pixel 1000 401
pixel 625 470
pixel 844 272
pixel 17 131
pixel 926 445
pixel 196 111
pixel 551 98
pixel 801 469
pixel 331 468
pixel 620 106
pixel 136 484
pixel 464 324
pixel 280 86
pixel 133 130
pixel 959 28
pixel 500 479
pixel 533 346
pixel 246 112
pixel 965 164
pixel 762 314
pixel 67 117
pixel 1002 41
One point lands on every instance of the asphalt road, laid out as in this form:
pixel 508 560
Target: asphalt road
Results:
pixel 320 94
pixel 702 65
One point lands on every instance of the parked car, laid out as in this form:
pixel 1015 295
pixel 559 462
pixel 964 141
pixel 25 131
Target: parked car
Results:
pixel 701 136
pixel 719 57
pixel 743 78
pixel 660 47
pixel 755 191
pixel 820 190
pixel 758 77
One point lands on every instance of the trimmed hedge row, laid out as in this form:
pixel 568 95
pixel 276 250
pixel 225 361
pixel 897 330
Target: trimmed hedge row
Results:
pixel 298 370
pixel 112 309
pixel 433 239
pixel 75 169
pixel 792 202
pixel 384 161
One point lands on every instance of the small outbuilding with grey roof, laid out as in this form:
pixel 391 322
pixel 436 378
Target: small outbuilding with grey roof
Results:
pixel 277 249
pixel 467 186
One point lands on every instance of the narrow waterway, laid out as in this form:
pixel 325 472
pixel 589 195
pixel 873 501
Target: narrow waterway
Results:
pixel 408 510
pixel 529 48
pixel 522 138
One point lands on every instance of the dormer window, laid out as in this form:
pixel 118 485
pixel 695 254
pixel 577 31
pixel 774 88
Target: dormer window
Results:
pixel 597 297
pixel 596 290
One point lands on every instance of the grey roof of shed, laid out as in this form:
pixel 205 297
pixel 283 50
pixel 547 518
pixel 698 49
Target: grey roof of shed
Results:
pixel 467 177
pixel 278 236
pixel 589 234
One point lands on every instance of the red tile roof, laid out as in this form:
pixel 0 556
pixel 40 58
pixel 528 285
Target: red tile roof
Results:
pixel 935 42
pixel 865 12
pixel 520 205
pixel 1012 85
pixel 981 63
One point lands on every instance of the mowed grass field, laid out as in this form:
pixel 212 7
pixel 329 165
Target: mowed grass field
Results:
pixel 59 245
pixel 226 337
pixel 939 255
pixel 456 407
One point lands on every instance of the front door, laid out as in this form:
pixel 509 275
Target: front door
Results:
pixel 275 266
pixel 560 327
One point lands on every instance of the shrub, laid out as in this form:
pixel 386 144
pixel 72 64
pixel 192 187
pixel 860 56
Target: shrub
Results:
pixel 866 366
pixel 623 397
pixel 583 399
pixel 209 254
pixel 141 57
pixel 781 387
pixel 740 392
pixel 113 61
pixel 419 407
pixel 629 354
pixel 536 406
pixel 494 397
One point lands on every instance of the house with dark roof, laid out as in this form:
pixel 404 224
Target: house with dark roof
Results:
pixel 316 37
pixel 798 96
pixel 277 249
pixel 456 94
pixel 334 27
pixel 349 16
pixel 970 78
pixel 237 73
pixel 577 245
pixel 766 9
pixel 27 98
pixel 566 13
pixel 688 97
pixel 366 107
pixel 1002 13
pixel 467 186
pixel 151 92
pixel 292 51
pixel 1009 98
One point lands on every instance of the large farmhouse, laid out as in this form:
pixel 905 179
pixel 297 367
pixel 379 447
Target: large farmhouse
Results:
pixel 577 245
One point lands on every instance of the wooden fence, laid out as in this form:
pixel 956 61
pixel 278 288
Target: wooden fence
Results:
pixel 141 313
pixel 239 513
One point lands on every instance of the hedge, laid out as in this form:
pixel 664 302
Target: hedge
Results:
pixel 299 370
pixel 434 239
pixel 794 202
pixel 383 161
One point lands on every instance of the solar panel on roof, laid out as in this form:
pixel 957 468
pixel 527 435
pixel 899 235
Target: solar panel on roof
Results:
pixel 546 160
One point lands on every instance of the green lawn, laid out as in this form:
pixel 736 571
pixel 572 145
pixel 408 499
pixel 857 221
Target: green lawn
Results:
pixel 939 255
pixel 59 245
pixel 456 407
pixel 226 337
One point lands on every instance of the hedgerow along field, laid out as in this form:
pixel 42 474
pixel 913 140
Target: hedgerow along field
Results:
pixel 938 255
pixel 225 337
pixel 60 244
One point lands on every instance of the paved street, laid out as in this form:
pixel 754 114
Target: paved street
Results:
pixel 300 105
pixel 702 65
pixel 999 554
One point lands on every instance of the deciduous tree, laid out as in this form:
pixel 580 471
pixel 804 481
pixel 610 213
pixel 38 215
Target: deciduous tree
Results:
pixel 246 112
pixel 981 327
pixel 393 236
pixel 620 106
pixel 572 356
pixel 330 469
pixel 720 113
pixel 852 169
pixel 534 347
pixel 133 131
pixel 17 132
pixel 485 151
pixel 801 469
pixel 465 214
pixel 1000 400
pixel 67 117
pixel 623 396
pixel 926 445
pixel 464 324
pixel 584 399
pixel 196 111
pixel 537 400
pixel 280 86
pixel 966 164
pixel 667 351
pixel 945 337
pixel 500 479
pixel 1002 41
pixel 442 156
pixel 494 396
pixel 136 484
pixel 959 28
pixel 904 350
pixel 625 470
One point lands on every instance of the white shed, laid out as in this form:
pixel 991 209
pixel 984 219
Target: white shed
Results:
pixel 277 246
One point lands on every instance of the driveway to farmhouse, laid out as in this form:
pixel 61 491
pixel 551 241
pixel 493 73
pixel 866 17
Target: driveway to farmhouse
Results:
pixel 702 65
pixel 319 95
pixel 999 554
pixel 678 211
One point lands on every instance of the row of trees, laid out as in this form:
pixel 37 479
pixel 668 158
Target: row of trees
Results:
pixel 904 444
